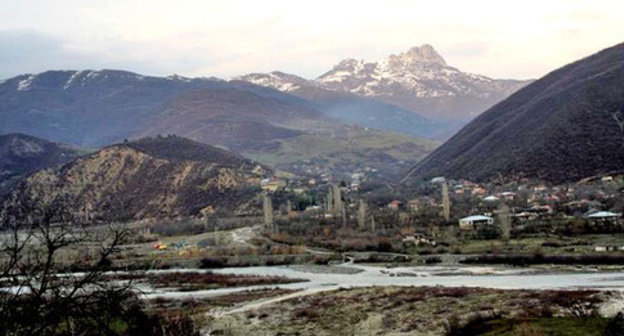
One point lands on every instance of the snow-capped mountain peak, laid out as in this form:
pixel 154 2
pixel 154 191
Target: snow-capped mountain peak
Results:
pixel 276 79
pixel 418 79
pixel 419 72
pixel 423 54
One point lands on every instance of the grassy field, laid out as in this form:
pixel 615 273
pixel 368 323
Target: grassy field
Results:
pixel 424 311
pixel 553 326
pixel 551 244
pixel 350 150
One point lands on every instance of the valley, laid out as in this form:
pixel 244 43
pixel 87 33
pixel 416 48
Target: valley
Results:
pixel 271 204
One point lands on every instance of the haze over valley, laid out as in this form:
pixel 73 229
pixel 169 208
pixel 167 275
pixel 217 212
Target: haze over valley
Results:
pixel 327 168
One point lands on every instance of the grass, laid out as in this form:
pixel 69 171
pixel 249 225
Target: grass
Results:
pixel 551 244
pixel 554 326
pixel 426 311
pixel 193 281
pixel 350 149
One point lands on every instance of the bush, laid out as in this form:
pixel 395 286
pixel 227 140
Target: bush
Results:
pixel 615 327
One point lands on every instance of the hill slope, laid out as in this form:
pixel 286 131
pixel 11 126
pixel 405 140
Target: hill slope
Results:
pixel 95 108
pixel 229 117
pixel 149 178
pixel 563 127
pixel 21 155
pixel 349 107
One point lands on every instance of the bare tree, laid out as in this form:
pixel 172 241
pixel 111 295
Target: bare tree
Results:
pixel 267 207
pixel 504 221
pixel 41 250
pixel 446 202
pixel 362 214
pixel 338 204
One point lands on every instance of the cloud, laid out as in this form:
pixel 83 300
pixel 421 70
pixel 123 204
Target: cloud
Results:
pixel 229 38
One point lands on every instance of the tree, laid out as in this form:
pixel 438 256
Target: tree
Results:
pixel 615 327
pixel 36 250
pixel 267 208
pixel 446 202
pixel 362 214
pixel 338 205
pixel 504 222
pixel 41 250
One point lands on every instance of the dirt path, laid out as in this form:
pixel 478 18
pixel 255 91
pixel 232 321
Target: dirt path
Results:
pixel 263 302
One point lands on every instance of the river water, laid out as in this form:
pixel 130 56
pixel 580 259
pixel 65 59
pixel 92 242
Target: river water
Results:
pixel 488 277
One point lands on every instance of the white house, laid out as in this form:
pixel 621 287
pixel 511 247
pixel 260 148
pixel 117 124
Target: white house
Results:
pixel 603 215
pixel 471 222
pixel 491 199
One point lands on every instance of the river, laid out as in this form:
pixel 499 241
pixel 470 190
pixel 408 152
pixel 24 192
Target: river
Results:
pixel 473 276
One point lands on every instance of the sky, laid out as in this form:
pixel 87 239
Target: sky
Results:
pixel 500 39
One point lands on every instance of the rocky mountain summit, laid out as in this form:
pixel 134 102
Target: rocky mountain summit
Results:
pixel 418 80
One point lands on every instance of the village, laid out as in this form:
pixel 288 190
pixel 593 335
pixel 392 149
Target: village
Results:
pixel 442 212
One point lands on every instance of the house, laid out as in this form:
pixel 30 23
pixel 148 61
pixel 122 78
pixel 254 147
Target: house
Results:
pixel 473 222
pixel 299 190
pixel 508 195
pixel 604 217
pixel 458 189
pixel 478 191
pixel 272 184
pixel 419 238
pixel 491 199
pixel 413 204
pixel 439 179
pixel 609 248
pixel 395 205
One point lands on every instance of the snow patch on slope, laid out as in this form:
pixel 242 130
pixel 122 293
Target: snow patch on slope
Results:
pixel 25 84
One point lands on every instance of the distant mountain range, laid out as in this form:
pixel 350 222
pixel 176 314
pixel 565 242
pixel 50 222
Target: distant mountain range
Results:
pixel 415 88
pixel 99 108
pixel 563 127
pixel 21 155
pixel 162 177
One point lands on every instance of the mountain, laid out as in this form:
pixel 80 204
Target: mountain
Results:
pixel 21 155
pixel 414 90
pixel 289 134
pixel 566 126
pixel 86 108
pixel 419 80
pixel 99 108
pixel 162 177
pixel 230 117
pixel 350 108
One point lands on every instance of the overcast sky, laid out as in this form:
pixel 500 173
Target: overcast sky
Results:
pixel 501 39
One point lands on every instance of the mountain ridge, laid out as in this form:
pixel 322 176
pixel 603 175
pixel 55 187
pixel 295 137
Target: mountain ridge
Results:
pixel 162 177
pixel 22 155
pixel 563 127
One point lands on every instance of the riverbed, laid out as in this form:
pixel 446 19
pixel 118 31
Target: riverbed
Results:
pixel 366 276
